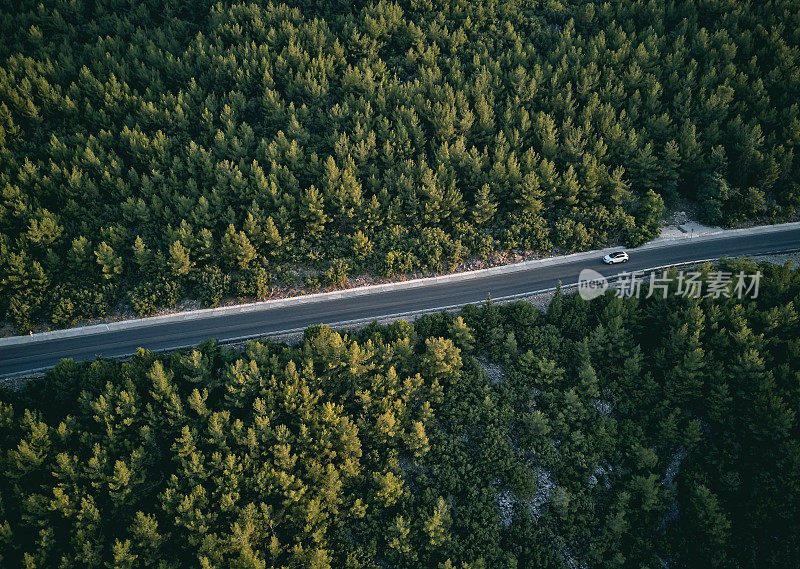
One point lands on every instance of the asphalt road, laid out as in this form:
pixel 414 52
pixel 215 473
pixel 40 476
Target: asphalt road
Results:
pixel 16 359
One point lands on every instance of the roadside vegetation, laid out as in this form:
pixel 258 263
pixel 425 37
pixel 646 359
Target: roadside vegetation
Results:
pixel 609 433
pixel 156 151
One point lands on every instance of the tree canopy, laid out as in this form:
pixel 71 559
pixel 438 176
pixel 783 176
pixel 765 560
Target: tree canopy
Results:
pixel 609 433
pixel 151 151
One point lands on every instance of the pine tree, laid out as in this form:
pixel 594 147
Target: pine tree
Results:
pixel 462 335
pixel 236 248
pixel 44 230
pixel 670 166
pixel 417 440
pixel 80 255
pixel 437 527
pixel 179 261
pixel 312 211
pixel 141 254
pixel 399 541
pixel 272 238
pixel 441 360
pixel 110 263
pixel 485 207
pixel 708 528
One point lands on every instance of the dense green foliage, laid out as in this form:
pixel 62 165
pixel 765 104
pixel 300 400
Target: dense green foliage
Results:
pixel 620 433
pixel 153 150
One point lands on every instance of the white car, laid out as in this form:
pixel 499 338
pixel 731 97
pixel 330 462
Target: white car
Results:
pixel 616 257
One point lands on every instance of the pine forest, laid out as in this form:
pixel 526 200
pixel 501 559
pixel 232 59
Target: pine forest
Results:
pixel 501 437
pixel 159 150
